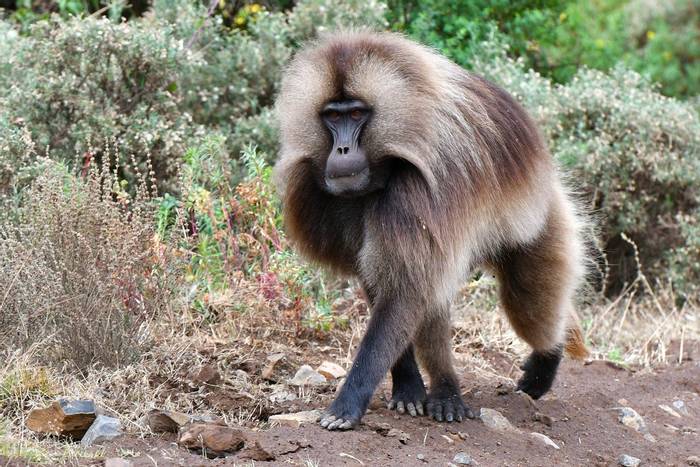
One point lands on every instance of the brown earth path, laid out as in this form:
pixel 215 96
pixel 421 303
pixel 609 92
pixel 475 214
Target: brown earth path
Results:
pixel 584 423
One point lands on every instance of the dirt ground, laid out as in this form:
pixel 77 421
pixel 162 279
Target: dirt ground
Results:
pixel 579 415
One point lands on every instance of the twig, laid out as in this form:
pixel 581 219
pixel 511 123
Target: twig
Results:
pixel 344 454
pixel 195 36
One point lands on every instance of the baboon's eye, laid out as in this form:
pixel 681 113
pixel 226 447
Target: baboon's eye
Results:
pixel 333 116
pixel 356 114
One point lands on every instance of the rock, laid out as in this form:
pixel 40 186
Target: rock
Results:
pixel 402 436
pixel 331 371
pixel 629 417
pixel 693 460
pixel 103 429
pixel 256 452
pixel 544 439
pixel 462 458
pixel 421 457
pixel 669 410
pixel 306 376
pixel 117 462
pixel 211 440
pixel 162 421
pixel 680 406
pixel 282 396
pixel 542 418
pixel 206 374
pixel 269 370
pixel 494 420
pixel 382 428
pixel 295 420
pixel 628 461
pixel 63 417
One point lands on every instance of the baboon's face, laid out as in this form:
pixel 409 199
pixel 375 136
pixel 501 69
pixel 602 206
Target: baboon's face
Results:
pixel 350 170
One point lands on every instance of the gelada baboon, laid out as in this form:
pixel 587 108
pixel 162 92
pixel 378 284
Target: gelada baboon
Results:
pixel 402 169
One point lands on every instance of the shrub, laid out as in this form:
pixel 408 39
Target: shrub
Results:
pixel 635 152
pixel 80 274
pixel 89 82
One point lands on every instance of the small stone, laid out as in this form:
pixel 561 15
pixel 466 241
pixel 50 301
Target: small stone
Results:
pixel 462 458
pixel 306 376
pixel 269 370
pixel 211 440
pixel 680 406
pixel 462 435
pixel 165 421
pixel 629 417
pixel 546 440
pixel 331 371
pixel 103 429
pixel 495 420
pixel 542 418
pixel 669 410
pixel 256 452
pixel 117 462
pixel 402 436
pixel 282 396
pixel 421 457
pixel 693 460
pixel 64 417
pixel 295 420
pixel 206 374
pixel 628 461
pixel 381 428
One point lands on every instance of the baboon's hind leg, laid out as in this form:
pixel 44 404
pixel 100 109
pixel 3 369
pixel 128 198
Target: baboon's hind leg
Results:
pixel 537 282
pixel 434 345
pixel 407 388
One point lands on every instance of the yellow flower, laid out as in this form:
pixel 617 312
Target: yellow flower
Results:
pixel 562 17
pixel 600 43
pixel 240 21
pixel 255 8
pixel 651 35
pixel 667 56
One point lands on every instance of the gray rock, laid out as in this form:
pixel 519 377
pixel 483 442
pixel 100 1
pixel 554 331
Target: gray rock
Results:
pixel 462 458
pixel 103 429
pixel 117 462
pixel 629 417
pixel 495 420
pixel 628 461
pixel 420 457
pixel 544 439
pixel 693 460
pixel 680 406
pixel 295 420
pixel 64 417
pixel 306 376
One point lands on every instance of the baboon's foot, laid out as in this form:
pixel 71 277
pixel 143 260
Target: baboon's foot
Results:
pixel 408 395
pixel 540 369
pixel 343 414
pixel 445 404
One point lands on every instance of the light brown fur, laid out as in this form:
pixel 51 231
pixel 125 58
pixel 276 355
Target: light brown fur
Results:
pixel 472 185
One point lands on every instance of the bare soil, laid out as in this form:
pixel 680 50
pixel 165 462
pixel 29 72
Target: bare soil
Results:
pixel 579 415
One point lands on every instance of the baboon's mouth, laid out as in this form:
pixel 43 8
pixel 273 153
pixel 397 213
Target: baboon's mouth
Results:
pixel 351 185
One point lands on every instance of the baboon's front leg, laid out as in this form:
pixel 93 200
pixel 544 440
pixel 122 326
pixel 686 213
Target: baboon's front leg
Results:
pixel 388 334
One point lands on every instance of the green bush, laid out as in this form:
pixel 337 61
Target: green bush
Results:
pixel 633 150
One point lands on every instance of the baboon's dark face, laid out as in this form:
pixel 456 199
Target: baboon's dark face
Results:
pixel 350 171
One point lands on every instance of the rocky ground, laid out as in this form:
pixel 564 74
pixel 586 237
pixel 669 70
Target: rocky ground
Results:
pixel 598 413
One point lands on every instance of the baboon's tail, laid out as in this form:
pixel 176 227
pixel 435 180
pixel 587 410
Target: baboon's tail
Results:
pixel 575 345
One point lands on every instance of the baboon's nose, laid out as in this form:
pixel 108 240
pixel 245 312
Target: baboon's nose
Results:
pixel 345 161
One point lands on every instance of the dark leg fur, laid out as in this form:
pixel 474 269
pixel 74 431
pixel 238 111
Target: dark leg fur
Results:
pixel 435 350
pixel 540 369
pixel 408 391
pixel 387 337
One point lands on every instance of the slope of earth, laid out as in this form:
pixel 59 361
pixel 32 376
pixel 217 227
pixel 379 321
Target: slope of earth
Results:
pixel 581 415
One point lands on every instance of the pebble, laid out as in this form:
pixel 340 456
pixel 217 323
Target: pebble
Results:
pixel 495 420
pixel 462 458
pixel 629 417
pixel 628 461
pixel 420 457
pixel 212 440
pixel 680 406
pixel 117 462
pixel 307 376
pixel 693 460
pixel 295 420
pixel 64 417
pixel 331 371
pixel 546 440
pixel 103 429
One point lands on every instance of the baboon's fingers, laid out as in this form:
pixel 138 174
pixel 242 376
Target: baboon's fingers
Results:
pixel 391 405
pixel 411 409
pixel 419 408
pixel 400 407
pixel 327 420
